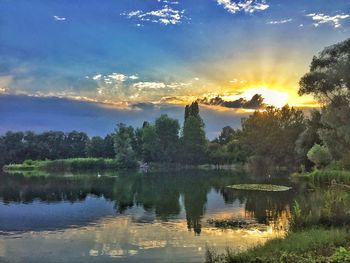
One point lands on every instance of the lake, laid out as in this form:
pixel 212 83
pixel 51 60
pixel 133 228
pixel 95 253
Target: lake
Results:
pixel 133 217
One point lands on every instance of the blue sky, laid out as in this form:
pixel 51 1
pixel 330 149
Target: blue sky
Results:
pixel 123 52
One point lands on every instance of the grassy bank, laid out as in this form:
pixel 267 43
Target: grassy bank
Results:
pixel 313 245
pixel 327 176
pixel 74 164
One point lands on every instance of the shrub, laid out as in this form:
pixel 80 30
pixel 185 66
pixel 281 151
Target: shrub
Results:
pixel 319 155
pixel 341 255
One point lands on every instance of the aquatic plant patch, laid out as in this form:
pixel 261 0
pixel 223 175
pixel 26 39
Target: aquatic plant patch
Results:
pixel 260 187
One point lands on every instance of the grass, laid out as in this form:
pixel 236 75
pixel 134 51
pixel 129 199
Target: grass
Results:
pixel 73 164
pixel 313 245
pixel 327 176
pixel 260 187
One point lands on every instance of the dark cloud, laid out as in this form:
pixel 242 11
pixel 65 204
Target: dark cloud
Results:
pixel 256 102
pixel 21 113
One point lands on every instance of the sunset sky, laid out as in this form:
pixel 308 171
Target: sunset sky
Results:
pixel 137 52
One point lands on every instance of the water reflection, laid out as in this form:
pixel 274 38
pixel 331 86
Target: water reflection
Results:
pixel 152 217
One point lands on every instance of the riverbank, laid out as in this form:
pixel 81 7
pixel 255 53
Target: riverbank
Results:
pixel 74 164
pixel 326 176
pixel 312 245
pixel 95 164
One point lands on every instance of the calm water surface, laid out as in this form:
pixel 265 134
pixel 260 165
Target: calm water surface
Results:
pixel 132 217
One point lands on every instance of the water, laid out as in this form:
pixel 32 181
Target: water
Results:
pixel 131 217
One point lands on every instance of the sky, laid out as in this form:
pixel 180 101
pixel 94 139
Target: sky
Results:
pixel 163 53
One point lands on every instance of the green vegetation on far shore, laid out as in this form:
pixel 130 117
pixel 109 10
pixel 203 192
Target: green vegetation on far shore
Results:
pixel 312 245
pixel 260 187
pixel 73 164
pixel 326 176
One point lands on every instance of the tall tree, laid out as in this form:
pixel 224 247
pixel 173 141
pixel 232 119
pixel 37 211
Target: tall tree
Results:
pixel 167 131
pixel 194 142
pixel 125 154
pixel 150 145
pixel 329 81
pixel 329 75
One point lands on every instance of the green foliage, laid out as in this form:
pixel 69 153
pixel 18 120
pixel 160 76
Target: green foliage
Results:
pixel 308 138
pixel 329 76
pixel 336 131
pixel 227 135
pixel 72 164
pixel 123 142
pixel 327 176
pixel 341 255
pixel 149 146
pixel 194 141
pixel 167 132
pixel 272 134
pixel 319 155
pixel 260 187
pixel 313 245
pixel 329 81
pixel 95 147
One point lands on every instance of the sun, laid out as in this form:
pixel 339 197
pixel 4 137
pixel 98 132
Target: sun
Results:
pixel 271 96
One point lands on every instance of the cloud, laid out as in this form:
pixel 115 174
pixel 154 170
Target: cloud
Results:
pixel 118 77
pixel 113 77
pixel 326 19
pixel 166 16
pixel 97 77
pixel 256 102
pixel 57 18
pixel 278 22
pixel 5 82
pixel 149 85
pixel 247 6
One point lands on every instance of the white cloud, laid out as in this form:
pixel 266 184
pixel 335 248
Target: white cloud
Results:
pixel 149 85
pixel 96 77
pixel 113 77
pixel 247 6
pixel 117 77
pixel 166 15
pixel 133 77
pixel 5 82
pixel 57 18
pixel 326 19
pixel 278 22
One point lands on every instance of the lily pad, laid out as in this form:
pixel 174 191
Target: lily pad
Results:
pixel 260 187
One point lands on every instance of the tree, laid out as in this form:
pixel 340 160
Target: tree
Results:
pixel 76 142
pixel 192 110
pixel 271 134
pixel 308 138
pixel 319 155
pixel 96 147
pixel 335 133
pixel 109 146
pixel 329 75
pixel 167 131
pixel 149 146
pixel 124 137
pixel 227 134
pixel 329 81
pixel 194 141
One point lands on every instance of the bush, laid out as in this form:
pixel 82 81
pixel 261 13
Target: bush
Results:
pixel 319 155
pixel 341 255
pixel 312 245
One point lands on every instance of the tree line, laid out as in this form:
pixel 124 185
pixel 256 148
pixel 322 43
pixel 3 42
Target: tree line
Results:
pixel 283 137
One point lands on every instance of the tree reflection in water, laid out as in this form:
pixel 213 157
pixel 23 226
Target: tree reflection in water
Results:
pixel 164 195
